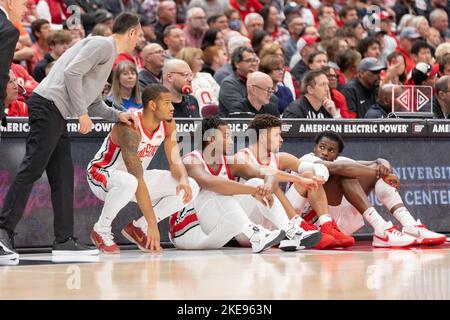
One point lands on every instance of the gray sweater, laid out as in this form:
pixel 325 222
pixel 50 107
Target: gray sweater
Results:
pixel 76 81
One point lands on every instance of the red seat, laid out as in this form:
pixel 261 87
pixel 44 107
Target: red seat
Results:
pixel 209 110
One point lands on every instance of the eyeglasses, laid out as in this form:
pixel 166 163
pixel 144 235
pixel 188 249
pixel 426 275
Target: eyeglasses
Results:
pixel 251 60
pixel 268 91
pixel 335 76
pixel 184 74
pixel 157 52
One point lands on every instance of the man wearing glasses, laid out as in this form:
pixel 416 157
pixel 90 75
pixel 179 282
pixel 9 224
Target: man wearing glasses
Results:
pixel 260 89
pixel 153 56
pixel 234 87
pixel 176 75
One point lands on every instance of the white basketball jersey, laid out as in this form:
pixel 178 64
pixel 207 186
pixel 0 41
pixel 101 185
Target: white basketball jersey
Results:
pixel 248 153
pixel 109 157
pixel 224 170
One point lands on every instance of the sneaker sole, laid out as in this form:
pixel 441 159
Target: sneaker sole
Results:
pixel 288 245
pixel 431 241
pixel 394 246
pixel 310 241
pixel 9 257
pixel 129 238
pixel 104 251
pixel 274 242
pixel 71 253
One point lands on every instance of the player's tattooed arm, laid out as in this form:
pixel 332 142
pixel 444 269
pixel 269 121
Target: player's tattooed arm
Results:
pixel 128 138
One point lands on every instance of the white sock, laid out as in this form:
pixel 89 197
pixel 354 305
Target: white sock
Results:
pixel 324 219
pixel 376 221
pixel 297 201
pixel 404 217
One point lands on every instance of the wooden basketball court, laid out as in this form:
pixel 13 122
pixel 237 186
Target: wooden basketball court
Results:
pixel 235 273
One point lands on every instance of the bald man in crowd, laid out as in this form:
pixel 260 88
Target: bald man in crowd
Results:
pixel 153 56
pixel 178 75
pixel 259 92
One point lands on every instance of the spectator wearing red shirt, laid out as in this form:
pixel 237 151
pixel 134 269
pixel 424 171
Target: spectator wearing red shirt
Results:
pixel 24 80
pixel 14 107
pixel 244 7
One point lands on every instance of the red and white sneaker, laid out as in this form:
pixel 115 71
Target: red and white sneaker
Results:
pixel 392 238
pixel 327 239
pixel 135 235
pixel 340 239
pixel 104 241
pixel 424 236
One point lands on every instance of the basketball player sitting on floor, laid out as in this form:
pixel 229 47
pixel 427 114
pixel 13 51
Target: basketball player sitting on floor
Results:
pixel 265 151
pixel 118 175
pixel 219 211
pixel 349 201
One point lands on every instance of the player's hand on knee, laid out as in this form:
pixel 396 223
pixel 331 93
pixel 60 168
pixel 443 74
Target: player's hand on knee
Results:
pixel 385 163
pixel 392 180
pixel 153 238
pixel 307 183
pixel 319 180
pixel 184 186
pixel 86 123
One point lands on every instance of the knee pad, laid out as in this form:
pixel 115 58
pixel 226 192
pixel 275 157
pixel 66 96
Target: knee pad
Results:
pixel 388 196
pixel 297 201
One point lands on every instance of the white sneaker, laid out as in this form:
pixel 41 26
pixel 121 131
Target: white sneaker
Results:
pixel 298 239
pixel 6 254
pixel 264 239
pixel 392 238
pixel 423 235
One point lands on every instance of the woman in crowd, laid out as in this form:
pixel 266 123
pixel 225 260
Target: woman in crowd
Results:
pixel 272 24
pixel 260 39
pixel 213 37
pixel 288 80
pixel 205 88
pixel 396 70
pixel 214 57
pixel 125 90
pixel 273 65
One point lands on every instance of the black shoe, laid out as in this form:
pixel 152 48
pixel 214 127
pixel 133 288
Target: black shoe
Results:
pixel 7 241
pixel 71 247
pixel 7 255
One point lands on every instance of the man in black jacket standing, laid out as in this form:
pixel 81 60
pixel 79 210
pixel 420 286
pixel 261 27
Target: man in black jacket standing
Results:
pixel 10 11
pixel 361 92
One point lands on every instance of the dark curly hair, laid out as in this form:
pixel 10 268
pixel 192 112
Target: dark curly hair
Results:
pixel 264 121
pixel 333 136
pixel 208 124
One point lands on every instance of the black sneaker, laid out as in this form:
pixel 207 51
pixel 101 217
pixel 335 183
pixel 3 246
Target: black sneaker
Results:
pixel 72 248
pixel 7 255
pixel 7 242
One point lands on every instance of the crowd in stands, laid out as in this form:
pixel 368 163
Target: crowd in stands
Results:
pixel 237 58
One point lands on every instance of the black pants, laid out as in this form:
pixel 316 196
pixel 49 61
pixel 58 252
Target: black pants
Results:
pixel 47 148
